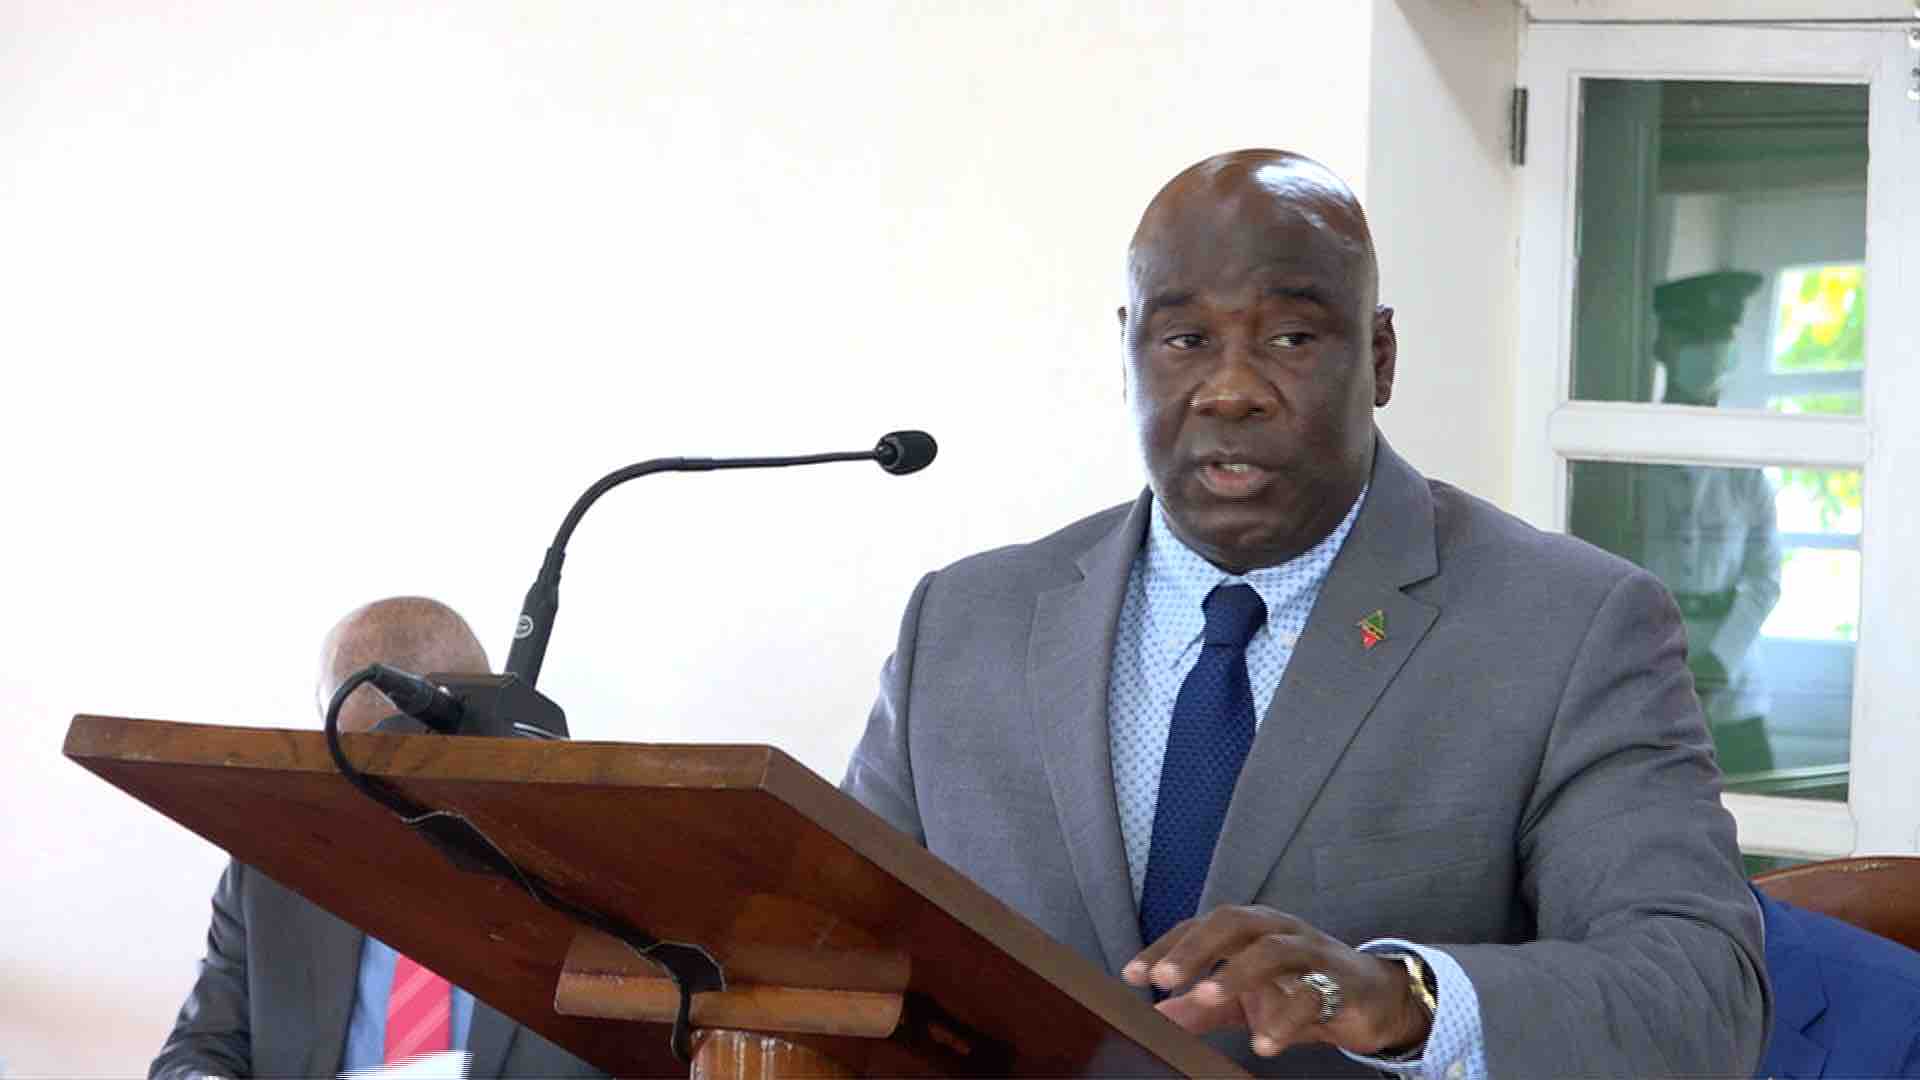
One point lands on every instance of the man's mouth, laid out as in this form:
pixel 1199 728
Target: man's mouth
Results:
pixel 1234 479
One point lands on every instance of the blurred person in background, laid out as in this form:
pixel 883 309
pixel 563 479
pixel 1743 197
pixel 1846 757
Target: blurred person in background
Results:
pixel 1709 532
pixel 287 989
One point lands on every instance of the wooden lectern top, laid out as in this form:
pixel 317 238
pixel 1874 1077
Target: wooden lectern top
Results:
pixel 737 848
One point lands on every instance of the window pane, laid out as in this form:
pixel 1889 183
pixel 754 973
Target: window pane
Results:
pixel 1760 864
pixel 1722 241
pixel 1765 567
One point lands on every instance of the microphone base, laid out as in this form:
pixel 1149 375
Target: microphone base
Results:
pixel 503 706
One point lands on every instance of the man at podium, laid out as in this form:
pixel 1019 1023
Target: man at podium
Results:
pixel 287 989
pixel 1357 771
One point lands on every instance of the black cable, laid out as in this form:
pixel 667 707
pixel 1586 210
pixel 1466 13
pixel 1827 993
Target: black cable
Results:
pixel 691 967
pixel 354 776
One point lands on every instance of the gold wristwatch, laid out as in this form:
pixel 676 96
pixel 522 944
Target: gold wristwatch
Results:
pixel 1420 986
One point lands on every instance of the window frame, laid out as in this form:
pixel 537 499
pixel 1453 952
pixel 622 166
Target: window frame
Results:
pixel 1882 813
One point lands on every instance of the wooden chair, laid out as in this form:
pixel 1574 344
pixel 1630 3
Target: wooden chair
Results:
pixel 1877 893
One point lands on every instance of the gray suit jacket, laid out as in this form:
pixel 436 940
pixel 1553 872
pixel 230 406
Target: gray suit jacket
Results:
pixel 1519 772
pixel 276 991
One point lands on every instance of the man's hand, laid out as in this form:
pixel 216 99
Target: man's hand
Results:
pixel 1248 962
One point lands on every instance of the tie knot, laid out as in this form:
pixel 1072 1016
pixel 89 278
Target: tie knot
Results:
pixel 1234 612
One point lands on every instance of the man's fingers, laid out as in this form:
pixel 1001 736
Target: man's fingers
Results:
pixel 1243 967
pixel 1194 947
pixel 1138 969
pixel 1200 1016
pixel 1259 962
pixel 1280 1014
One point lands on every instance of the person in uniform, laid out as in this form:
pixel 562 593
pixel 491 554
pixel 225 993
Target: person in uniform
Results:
pixel 1709 533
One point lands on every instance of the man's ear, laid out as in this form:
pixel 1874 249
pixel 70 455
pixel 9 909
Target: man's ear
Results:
pixel 1386 353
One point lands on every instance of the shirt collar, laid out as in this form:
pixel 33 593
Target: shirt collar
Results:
pixel 1177 579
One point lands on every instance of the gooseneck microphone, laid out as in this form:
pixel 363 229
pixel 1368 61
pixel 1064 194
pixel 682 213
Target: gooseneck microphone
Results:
pixel 899 452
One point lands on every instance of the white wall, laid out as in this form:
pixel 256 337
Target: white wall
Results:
pixel 1441 199
pixel 310 304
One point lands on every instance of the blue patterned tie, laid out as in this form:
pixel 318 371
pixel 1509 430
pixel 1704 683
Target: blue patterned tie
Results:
pixel 1206 745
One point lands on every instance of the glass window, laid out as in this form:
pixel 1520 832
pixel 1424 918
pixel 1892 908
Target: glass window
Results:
pixel 1707 213
pixel 1760 864
pixel 1721 245
pixel 1818 348
pixel 1765 567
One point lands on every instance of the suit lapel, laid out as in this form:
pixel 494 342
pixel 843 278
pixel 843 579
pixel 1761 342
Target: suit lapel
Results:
pixel 333 982
pixel 1069 663
pixel 1333 679
pixel 488 1040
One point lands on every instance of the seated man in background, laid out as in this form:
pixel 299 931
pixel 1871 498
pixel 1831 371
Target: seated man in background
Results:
pixel 1845 1002
pixel 286 989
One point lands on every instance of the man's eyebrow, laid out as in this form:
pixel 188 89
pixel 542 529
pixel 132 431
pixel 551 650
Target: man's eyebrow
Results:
pixel 1172 298
pixel 1312 294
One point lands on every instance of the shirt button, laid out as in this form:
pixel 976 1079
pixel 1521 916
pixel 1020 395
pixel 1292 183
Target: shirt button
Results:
pixel 1456 1070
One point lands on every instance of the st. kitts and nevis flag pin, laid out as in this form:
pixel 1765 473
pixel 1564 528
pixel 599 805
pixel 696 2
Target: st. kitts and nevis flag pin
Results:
pixel 1373 629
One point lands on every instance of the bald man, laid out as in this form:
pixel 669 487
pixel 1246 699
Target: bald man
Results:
pixel 1348 769
pixel 287 989
pixel 425 635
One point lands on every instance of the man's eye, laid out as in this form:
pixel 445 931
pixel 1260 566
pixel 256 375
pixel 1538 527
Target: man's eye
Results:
pixel 1290 341
pixel 1186 341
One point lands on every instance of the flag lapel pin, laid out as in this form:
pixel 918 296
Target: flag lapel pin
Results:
pixel 1373 629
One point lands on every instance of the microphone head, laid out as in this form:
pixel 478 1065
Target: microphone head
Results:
pixel 903 452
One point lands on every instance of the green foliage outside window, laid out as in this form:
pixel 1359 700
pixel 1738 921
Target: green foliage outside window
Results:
pixel 1834 492
pixel 1822 319
pixel 1822 322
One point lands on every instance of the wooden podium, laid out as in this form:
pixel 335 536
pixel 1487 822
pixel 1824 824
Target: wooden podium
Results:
pixel 847 949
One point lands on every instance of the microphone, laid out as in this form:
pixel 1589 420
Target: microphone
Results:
pixel 898 452
pixel 903 452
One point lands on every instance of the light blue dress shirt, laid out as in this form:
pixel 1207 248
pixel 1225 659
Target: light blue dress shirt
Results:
pixel 367 1031
pixel 1157 644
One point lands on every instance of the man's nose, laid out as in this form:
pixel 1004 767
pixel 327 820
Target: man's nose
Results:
pixel 1235 390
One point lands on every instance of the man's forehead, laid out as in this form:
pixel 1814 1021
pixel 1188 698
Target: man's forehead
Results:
pixel 1246 264
pixel 1249 218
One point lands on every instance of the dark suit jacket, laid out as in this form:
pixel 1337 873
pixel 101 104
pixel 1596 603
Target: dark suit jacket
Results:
pixel 276 990
pixel 1518 773
pixel 1846 1003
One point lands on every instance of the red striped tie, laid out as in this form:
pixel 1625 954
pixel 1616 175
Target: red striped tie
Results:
pixel 419 1012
